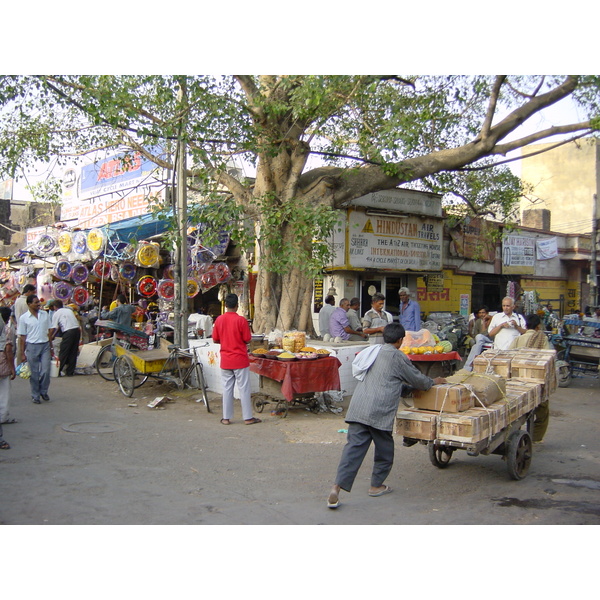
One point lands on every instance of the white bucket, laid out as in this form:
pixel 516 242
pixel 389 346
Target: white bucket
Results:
pixel 54 368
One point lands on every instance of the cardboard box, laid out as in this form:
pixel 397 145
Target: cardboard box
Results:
pixel 494 361
pixel 447 397
pixel 536 365
pixel 416 424
pixel 486 388
pixel 469 427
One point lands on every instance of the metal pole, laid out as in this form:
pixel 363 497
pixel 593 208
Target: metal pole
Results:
pixel 594 257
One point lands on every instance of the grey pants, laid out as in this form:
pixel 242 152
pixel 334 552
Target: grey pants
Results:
pixel 359 440
pixel 38 357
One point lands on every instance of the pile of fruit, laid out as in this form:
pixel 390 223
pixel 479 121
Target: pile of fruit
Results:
pixel 440 348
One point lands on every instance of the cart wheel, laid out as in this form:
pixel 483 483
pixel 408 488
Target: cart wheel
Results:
pixel 282 409
pixel 563 373
pixel 258 404
pixel 125 375
pixel 440 455
pixel 104 363
pixel 518 454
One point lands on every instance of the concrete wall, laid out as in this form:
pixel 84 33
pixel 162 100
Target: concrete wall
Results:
pixel 565 180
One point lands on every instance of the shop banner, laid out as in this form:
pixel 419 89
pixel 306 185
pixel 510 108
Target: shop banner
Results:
pixel 385 242
pixel 472 239
pixel 546 249
pixel 518 255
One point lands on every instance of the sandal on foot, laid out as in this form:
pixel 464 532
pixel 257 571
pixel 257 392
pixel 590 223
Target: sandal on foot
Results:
pixel 9 421
pixel 252 421
pixel 4 446
pixel 225 422
pixel 386 490
pixel 333 501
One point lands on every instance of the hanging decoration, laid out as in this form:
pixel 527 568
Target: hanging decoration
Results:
pixel 62 290
pixel 80 295
pixel 46 244
pixel 63 269
pixel 79 273
pixel 128 271
pixel 192 288
pixel 64 242
pixel 148 255
pixel 79 242
pixel 101 269
pixel 146 286
pixel 95 240
pixel 166 289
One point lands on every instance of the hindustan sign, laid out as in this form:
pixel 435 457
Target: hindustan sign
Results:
pixel 384 242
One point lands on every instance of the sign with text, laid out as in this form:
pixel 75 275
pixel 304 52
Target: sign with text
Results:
pixel 109 209
pixel 384 242
pixel 518 255
pixel 403 201
pixel 472 239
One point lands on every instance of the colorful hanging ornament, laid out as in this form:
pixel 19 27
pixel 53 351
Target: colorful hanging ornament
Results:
pixel 80 295
pixel 101 269
pixel 192 288
pixel 128 271
pixel 46 244
pixel 95 240
pixel 79 273
pixel 146 286
pixel 63 269
pixel 148 255
pixel 62 290
pixel 64 242
pixel 166 289
pixel 79 242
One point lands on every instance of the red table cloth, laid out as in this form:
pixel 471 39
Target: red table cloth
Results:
pixel 300 376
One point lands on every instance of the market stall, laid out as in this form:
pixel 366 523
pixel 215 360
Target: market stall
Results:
pixel 295 381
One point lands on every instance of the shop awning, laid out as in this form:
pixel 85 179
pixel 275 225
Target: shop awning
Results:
pixel 136 228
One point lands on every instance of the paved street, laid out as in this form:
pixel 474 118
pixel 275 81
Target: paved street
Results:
pixel 88 457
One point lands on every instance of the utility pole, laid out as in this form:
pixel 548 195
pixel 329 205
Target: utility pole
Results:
pixel 181 267
pixel 593 299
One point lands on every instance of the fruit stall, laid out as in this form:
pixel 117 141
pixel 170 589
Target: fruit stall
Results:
pixel 431 356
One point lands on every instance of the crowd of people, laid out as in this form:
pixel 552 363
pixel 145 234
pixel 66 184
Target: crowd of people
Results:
pixel 343 324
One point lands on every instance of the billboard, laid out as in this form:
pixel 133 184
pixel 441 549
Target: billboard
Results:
pixel 518 255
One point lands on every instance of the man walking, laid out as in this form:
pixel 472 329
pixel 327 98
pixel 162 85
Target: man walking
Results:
pixel 20 305
pixel 410 311
pixel 64 319
pixel 372 413
pixel 233 333
pixel 33 331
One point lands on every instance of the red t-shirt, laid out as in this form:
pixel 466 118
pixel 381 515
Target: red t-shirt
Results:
pixel 233 333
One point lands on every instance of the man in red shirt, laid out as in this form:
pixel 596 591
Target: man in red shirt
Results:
pixel 233 333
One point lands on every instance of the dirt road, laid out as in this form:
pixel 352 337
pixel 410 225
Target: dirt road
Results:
pixel 92 456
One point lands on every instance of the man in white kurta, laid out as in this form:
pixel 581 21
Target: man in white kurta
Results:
pixel 506 326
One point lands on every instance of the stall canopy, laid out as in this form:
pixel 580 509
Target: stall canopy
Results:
pixel 136 228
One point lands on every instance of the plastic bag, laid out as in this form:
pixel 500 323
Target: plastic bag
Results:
pixel 418 339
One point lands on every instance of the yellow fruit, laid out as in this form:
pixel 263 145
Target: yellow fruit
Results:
pixel 406 350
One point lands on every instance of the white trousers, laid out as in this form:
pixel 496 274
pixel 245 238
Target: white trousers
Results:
pixel 242 377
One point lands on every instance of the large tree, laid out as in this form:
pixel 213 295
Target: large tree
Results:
pixel 370 133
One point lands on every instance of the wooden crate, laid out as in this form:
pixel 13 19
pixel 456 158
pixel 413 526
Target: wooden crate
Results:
pixel 468 427
pixel 447 397
pixel 538 367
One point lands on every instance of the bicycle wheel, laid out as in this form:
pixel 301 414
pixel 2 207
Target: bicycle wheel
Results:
pixel 202 385
pixel 104 363
pixel 125 375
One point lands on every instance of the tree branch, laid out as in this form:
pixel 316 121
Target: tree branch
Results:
pixel 491 111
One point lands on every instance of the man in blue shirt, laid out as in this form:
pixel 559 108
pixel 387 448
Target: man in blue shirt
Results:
pixel 410 311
